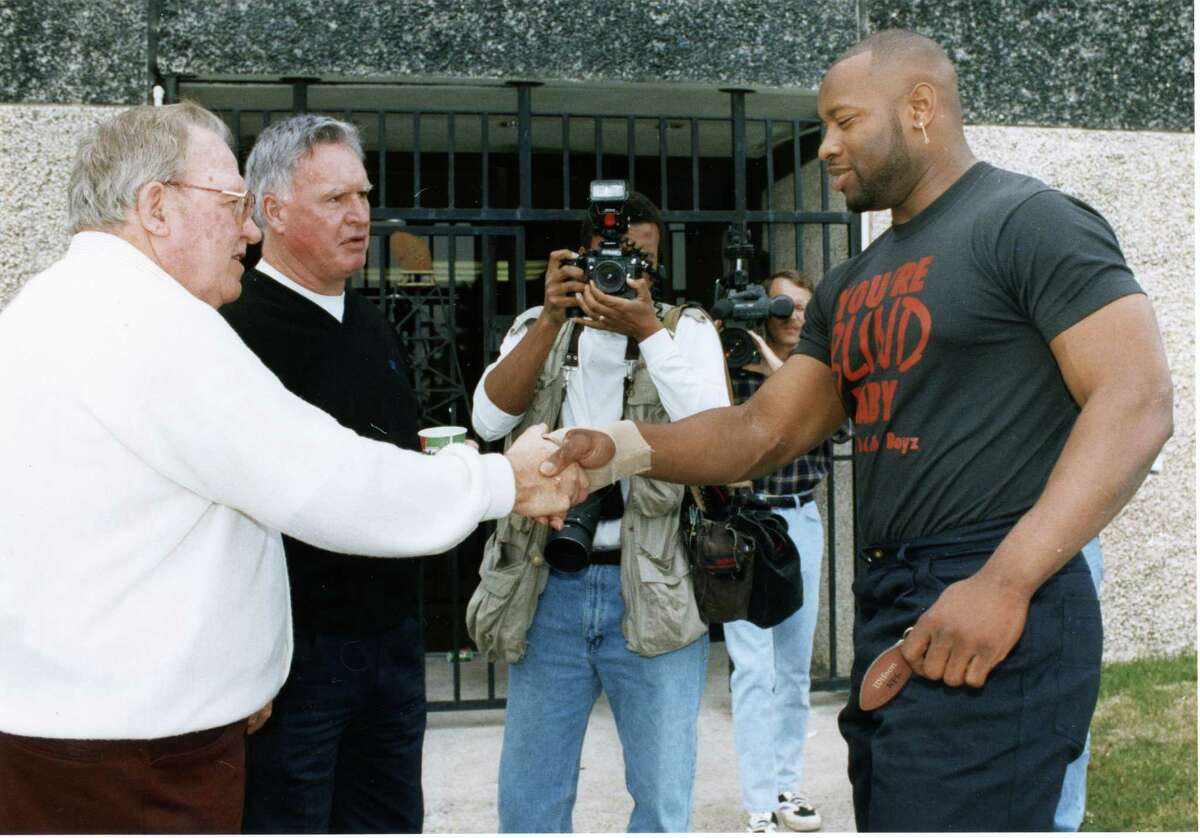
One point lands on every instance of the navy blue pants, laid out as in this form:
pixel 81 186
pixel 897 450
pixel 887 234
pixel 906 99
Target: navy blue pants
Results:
pixel 342 749
pixel 940 758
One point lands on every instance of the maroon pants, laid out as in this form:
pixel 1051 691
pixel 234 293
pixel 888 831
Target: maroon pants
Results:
pixel 193 783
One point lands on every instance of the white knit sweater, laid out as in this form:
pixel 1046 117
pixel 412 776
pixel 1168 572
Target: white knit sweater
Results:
pixel 148 462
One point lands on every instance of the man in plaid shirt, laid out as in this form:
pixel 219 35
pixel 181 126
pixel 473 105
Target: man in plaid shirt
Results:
pixel 771 666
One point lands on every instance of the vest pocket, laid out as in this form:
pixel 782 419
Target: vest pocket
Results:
pixel 501 608
pixel 653 498
pixel 664 617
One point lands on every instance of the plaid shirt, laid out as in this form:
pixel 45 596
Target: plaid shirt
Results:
pixel 801 475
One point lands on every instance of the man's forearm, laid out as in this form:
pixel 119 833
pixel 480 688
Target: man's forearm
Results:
pixel 794 411
pixel 1091 482
pixel 511 382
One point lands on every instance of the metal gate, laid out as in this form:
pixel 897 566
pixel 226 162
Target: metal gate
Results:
pixel 481 186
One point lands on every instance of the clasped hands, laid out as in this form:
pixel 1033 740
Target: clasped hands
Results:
pixel 549 476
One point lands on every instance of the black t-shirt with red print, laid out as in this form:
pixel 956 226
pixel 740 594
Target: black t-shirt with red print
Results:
pixel 938 335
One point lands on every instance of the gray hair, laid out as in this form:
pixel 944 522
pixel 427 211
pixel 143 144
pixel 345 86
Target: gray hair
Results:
pixel 280 147
pixel 120 156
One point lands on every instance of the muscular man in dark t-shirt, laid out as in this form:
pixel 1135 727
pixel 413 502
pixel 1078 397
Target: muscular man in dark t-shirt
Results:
pixel 1007 381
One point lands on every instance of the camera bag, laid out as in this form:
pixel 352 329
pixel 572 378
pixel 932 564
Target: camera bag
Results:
pixel 744 563
pixel 778 589
pixel 721 557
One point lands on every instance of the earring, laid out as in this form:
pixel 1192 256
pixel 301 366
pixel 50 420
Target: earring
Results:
pixel 921 125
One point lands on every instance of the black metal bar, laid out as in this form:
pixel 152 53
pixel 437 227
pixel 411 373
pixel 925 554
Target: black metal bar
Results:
pixel 153 12
pixel 418 214
pixel 695 165
pixel 488 296
pixel 485 151
pixel 236 117
pixel 797 191
pixel 416 158
pixel 631 150
pixel 831 552
pixel 662 164
pixel 824 177
pixel 381 141
pixel 450 151
pixel 455 596
pixel 170 89
pixel 832 685
pixel 519 268
pixel 525 145
pixel 393 224
pixel 737 107
pixel 598 127
pixel 769 150
pixel 465 704
pixel 299 96
pixel 566 160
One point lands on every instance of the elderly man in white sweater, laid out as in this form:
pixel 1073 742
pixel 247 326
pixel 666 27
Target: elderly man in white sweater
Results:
pixel 150 463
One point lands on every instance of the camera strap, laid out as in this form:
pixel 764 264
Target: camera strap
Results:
pixel 571 361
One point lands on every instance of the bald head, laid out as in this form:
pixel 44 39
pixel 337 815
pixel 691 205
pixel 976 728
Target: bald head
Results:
pixel 893 125
pixel 899 60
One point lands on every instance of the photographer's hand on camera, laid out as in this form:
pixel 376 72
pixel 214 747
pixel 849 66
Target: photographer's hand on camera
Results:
pixel 634 318
pixel 563 283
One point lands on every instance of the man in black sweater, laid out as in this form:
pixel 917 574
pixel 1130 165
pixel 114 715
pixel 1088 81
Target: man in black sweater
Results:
pixel 342 750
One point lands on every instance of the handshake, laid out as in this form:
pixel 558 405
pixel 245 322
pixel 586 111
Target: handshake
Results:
pixel 554 472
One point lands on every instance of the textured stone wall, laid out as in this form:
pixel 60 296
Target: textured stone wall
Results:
pixel 1092 63
pixel 70 51
pixel 35 161
pixel 712 41
pixel 1106 64
pixel 1142 183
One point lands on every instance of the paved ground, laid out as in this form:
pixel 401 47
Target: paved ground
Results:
pixel 462 752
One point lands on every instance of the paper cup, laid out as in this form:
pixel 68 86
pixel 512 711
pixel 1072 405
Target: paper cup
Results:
pixel 434 440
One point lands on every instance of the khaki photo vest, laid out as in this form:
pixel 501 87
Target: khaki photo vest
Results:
pixel 656 585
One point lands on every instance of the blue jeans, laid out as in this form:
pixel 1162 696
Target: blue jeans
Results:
pixel 1069 814
pixel 575 650
pixel 771 679
pixel 342 749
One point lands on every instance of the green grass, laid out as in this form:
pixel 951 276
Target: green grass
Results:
pixel 1142 774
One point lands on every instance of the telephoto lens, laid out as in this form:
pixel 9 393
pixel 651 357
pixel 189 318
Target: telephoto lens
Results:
pixel 570 548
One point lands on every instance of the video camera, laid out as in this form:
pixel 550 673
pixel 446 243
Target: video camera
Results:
pixel 613 263
pixel 742 304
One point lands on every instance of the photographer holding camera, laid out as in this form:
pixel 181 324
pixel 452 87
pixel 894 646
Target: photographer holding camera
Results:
pixel 617 614
pixel 770 681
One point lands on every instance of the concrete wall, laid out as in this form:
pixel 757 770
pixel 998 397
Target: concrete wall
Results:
pixel 1091 63
pixel 35 161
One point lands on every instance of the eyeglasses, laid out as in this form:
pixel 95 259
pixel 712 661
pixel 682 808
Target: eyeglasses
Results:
pixel 241 208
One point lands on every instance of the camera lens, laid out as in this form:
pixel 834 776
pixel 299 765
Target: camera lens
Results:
pixel 570 548
pixel 738 345
pixel 609 275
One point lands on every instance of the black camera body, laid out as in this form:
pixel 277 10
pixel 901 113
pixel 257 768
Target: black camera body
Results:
pixel 612 264
pixel 742 305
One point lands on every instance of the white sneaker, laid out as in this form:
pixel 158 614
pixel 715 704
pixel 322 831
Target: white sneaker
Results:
pixel 761 822
pixel 796 813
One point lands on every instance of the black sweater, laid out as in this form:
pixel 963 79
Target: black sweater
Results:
pixel 355 371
